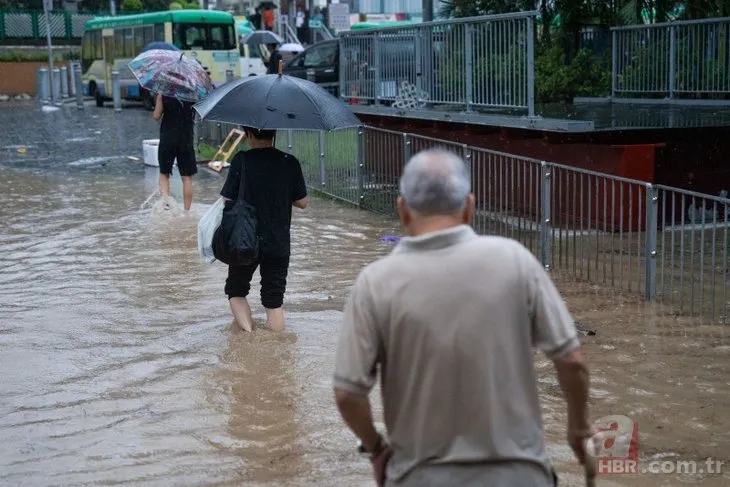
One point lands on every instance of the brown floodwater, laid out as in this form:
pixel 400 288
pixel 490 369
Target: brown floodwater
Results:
pixel 119 364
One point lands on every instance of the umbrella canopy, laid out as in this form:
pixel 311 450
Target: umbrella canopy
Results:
pixel 162 46
pixel 276 102
pixel 262 37
pixel 291 47
pixel 171 74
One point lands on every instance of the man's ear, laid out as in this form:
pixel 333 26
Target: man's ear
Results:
pixel 402 208
pixel 469 209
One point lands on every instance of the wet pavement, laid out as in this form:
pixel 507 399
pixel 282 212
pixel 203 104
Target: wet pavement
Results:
pixel 120 365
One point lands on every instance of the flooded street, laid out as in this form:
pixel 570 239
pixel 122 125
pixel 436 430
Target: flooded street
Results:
pixel 119 364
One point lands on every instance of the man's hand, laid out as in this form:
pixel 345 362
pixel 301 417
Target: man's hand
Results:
pixel 577 438
pixel 380 462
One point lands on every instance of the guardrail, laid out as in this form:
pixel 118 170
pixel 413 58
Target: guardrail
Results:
pixel 473 63
pixel 673 59
pixel 665 243
pixel 28 25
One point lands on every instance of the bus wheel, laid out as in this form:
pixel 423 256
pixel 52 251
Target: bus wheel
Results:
pixel 92 89
pixel 99 100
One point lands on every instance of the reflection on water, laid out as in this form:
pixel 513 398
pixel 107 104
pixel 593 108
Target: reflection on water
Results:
pixel 120 365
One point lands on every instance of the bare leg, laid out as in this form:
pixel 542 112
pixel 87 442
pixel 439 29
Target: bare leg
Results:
pixel 241 313
pixel 165 185
pixel 275 319
pixel 187 191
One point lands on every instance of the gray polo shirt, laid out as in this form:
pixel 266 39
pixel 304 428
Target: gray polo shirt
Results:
pixel 452 319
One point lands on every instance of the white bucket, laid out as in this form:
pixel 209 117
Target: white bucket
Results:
pixel 150 147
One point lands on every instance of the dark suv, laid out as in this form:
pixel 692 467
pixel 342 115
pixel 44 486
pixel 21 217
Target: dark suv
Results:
pixel 318 63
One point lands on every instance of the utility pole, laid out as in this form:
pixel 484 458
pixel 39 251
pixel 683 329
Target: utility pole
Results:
pixel 48 5
pixel 428 10
pixel 113 7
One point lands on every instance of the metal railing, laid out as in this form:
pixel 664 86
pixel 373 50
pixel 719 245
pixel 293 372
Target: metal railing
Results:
pixel 473 63
pixel 664 243
pixel 27 25
pixel 673 59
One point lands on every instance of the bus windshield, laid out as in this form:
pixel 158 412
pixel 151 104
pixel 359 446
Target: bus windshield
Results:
pixel 207 37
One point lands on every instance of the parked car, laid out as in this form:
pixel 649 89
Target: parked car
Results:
pixel 318 63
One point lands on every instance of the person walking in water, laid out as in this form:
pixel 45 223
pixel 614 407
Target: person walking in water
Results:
pixel 176 142
pixel 452 318
pixel 272 183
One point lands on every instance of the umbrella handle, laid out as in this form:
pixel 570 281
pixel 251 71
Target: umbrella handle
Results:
pixel 281 67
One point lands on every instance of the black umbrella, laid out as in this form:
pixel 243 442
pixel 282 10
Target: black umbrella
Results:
pixel 261 37
pixel 267 5
pixel 276 102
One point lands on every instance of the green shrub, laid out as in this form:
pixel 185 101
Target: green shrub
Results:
pixel 31 56
pixel 176 6
pixel 132 6
pixel 556 81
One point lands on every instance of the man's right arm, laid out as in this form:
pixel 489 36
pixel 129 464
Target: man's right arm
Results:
pixel 554 333
pixel 299 194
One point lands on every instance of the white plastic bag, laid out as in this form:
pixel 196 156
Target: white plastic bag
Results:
pixel 207 226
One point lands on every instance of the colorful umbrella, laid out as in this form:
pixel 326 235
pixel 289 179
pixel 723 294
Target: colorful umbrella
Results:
pixel 171 74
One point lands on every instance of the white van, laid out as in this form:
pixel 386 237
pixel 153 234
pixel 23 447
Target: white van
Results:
pixel 252 62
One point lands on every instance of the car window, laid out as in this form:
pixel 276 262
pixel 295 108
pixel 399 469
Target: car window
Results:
pixel 321 56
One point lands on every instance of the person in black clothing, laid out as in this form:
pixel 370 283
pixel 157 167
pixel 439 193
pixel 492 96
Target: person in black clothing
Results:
pixel 272 184
pixel 176 142
pixel 273 63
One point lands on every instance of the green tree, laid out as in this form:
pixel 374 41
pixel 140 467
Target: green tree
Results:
pixel 176 6
pixel 132 6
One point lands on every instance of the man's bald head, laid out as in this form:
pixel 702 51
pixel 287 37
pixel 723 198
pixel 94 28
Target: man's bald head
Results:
pixel 435 182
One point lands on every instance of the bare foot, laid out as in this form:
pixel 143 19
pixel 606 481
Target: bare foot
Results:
pixel 235 324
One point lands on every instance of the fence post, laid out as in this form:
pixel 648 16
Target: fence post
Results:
pixel 45 85
pixel 71 79
pixel 361 166
pixel 418 52
pixel 322 161
pixel 56 86
pixel 116 92
pixel 376 68
pixel 406 148
pixel 672 60
pixel 614 62
pixel 545 217
pixel 466 152
pixel 64 82
pixel 530 67
pixel 652 216
pixel 469 72
pixel 79 86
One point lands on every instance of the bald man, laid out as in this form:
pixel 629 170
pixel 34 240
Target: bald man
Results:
pixel 451 318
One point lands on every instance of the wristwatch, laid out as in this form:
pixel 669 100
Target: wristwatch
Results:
pixel 380 446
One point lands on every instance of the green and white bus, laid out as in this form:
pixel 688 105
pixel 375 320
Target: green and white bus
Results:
pixel 110 43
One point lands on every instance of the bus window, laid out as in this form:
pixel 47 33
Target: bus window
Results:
pixel 191 36
pixel 204 36
pixel 148 34
pixel 118 43
pixel 129 43
pixel 160 33
pixel 97 45
pixel 222 37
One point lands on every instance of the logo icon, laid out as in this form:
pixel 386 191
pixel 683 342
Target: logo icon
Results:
pixel 615 446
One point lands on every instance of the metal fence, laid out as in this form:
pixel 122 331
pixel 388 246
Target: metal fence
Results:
pixel 665 243
pixel 673 59
pixel 479 62
pixel 25 25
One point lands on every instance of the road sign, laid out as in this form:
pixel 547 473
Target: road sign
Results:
pixel 339 16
